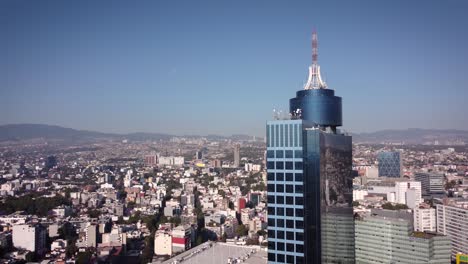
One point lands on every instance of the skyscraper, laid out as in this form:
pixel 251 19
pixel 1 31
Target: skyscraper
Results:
pixel 236 155
pixel 309 165
pixel 390 164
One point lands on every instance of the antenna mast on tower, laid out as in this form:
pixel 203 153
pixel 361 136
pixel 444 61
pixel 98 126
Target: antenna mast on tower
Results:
pixel 315 79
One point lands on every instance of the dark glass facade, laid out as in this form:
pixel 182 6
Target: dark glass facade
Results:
pixel 329 230
pixel 319 106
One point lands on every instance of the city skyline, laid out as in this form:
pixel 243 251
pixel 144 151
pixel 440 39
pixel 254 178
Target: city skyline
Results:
pixel 125 68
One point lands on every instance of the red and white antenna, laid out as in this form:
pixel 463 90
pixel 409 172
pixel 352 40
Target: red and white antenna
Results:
pixel 315 79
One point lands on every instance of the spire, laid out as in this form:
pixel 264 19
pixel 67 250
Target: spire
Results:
pixel 315 79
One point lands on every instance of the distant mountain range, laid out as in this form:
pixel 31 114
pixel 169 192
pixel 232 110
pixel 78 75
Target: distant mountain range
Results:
pixel 414 136
pixel 20 132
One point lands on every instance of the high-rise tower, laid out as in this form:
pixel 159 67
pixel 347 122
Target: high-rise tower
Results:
pixel 309 165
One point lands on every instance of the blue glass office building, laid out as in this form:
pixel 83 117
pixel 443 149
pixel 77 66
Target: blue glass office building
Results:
pixel 390 164
pixel 309 176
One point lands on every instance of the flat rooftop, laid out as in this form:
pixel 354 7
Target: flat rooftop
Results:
pixel 219 253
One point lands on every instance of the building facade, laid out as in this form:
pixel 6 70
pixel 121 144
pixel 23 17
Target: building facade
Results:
pixel 452 220
pixel 432 184
pixel 309 176
pixel 30 237
pixel 382 239
pixel 390 164
pixel 424 219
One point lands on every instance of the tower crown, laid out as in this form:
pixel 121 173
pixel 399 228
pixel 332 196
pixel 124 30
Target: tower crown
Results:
pixel 315 79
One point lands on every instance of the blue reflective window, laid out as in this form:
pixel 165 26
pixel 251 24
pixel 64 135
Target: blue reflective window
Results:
pixel 271 165
pixel 299 177
pixel 268 135
pixel 296 129
pixel 277 135
pixel 286 135
pixel 270 153
pixel 298 154
pixel 282 135
pixel 289 177
pixel 280 176
pixel 279 154
pixel 280 165
pixel 270 176
pixel 298 165
pixel 291 135
pixel 289 165
pixel 288 154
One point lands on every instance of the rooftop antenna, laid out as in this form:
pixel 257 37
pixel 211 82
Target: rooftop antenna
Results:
pixel 315 79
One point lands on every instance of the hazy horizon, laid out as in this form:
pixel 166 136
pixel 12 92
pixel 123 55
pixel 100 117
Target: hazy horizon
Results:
pixel 212 67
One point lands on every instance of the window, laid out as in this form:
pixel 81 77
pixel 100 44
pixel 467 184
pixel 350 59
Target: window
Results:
pixel 298 154
pixel 289 235
pixel 271 233
pixel 280 211
pixel 289 154
pixel 299 224
pixel 289 188
pixel 271 210
pixel 270 153
pixel 279 188
pixel 299 201
pixel 271 176
pixel 299 260
pixel 280 200
pixel 280 246
pixel 289 223
pixel 271 222
pixel 270 165
pixel 280 222
pixel 280 258
pixel 289 211
pixel 299 177
pixel 289 165
pixel 280 234
pixel 299 236
pixel 271 199
pixel 289 177
pixel 289 258
pixel 271 256
pixel 280 165
pixel 299 189
pixel 299 212
pixel 271 187
pixel 299 248
pixel 298 165
pixel 279 154
pixel 280 176
pixel 290 248
pixel 289 200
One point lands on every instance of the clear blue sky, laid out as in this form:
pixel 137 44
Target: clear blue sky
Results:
pixel 199 67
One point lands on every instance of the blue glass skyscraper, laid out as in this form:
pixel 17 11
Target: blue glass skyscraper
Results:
pixel 390 164
pixel 309 166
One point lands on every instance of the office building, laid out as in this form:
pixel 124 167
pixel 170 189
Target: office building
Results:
pixel 30 237
pixel 386 239
pixel 452 220
pixel 309 166
pixel 236 155
pixel 424 219
pixel 397 191
pixel 390 164
pixel 432 184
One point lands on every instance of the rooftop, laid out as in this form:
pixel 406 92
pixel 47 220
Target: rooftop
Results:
pixel 214 253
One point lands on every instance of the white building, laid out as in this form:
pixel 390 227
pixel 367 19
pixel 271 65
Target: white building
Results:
pixel 452 220
pixel 29 237
pixel 359 194
pixel 424 219
pixel 397 191
pixel 162 243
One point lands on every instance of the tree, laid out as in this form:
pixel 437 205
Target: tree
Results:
pixel 355 203
pixel 241 230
